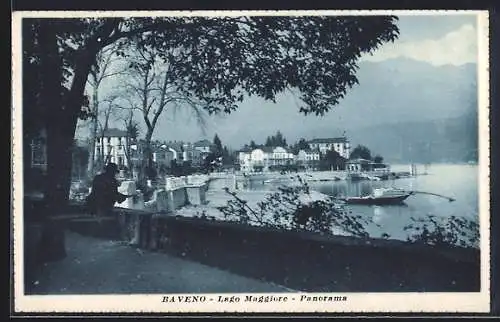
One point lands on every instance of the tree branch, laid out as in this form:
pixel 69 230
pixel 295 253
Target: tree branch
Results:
pixel 117 34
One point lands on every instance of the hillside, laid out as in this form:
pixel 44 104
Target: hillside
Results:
pixel 446 140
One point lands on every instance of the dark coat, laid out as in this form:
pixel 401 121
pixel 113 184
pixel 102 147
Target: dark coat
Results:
pixel 104 193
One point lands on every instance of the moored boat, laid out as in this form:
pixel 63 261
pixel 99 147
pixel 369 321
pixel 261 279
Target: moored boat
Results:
pixel 382 196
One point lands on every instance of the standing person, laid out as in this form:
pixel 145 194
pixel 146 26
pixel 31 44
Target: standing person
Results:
pixel 104 192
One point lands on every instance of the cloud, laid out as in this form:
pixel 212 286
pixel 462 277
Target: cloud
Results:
pixel 456 47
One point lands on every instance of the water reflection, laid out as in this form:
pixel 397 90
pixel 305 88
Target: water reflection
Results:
pixel 456 181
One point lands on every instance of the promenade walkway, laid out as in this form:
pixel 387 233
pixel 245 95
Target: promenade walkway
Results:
pixel 96 266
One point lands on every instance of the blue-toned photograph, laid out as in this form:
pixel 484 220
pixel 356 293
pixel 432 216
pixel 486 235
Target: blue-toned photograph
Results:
pixel 227 154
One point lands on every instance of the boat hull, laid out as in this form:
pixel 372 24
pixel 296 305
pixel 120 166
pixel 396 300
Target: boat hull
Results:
pixel 393 200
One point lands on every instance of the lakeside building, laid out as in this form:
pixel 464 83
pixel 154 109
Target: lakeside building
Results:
pixel 340 144
pixel 279 156
pixel 308 159
pixel 201 149
pixel 164 153
pixel 111 146
pixel 245 160
pixel 265 158
pixel 203 146
pixel 359 165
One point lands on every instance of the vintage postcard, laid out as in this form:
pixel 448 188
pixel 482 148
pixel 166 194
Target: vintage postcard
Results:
pixel 251 161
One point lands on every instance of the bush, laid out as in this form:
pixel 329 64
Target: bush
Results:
pixel 444 231
pixel 286 209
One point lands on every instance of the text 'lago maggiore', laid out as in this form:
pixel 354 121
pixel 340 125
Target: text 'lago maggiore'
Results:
pixel 250 298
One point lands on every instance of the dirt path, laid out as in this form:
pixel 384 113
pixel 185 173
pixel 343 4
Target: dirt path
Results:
pixel 95 266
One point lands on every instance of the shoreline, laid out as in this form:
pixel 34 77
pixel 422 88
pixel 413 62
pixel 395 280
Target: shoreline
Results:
pixel 218 198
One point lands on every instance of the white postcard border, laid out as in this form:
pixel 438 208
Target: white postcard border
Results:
pixel 356 302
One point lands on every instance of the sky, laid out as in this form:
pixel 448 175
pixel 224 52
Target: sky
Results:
pixel 437 40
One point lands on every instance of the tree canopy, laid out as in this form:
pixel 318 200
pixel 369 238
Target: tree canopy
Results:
pixel 276 140
pixel 218 61
pixel 378 159
pixel 301 144
pixel 215 61
pixel 331 159
pixel 217 145
pixel 361 152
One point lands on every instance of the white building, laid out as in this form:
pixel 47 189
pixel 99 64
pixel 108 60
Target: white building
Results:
pixel 164 155
pixel 259 159
pixel 111 146
pixel 280 156
pixel 341 145
pixel 203 146
pixel 245 161
pixel 308 158
pixel 264 158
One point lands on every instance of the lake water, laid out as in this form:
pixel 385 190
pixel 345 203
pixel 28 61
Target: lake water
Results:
pixel 456 181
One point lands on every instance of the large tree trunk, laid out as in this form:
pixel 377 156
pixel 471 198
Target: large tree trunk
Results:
pixel 60 122
pixel 51 246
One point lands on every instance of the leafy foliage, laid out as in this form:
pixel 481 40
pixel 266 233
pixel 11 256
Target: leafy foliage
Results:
pixel 378 159
pixel 361 152
pixel 211 162
pixel 301 144
pixel 220 60
pixel 453 230
pixel 331 159
pixel 276 140
pixel 132 129
pixel 286 209
pixel 217 146
pixel 228 158
pixel 215 61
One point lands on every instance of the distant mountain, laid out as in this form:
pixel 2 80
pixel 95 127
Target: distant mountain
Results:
pixel 444 140
pixel 421 113
pixel 407 110
pixel 408 90
pixel 395 93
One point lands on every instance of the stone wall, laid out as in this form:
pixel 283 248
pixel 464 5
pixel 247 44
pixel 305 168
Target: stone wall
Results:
pixel 178 192
pixel 128 187
pixel 227 181
pixel 177 198
pixel 305 261
pixel 196 195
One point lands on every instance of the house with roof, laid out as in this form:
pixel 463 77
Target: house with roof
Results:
pixel 200 150
pixel 245 160
pixel 280 156
pixel 308 158
pixel 177 151
pixel 259 159
pixel 264 158
pixel 111 146
pixel 339 144
pixel 163 155
pixel 203 146
pixel 359 165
